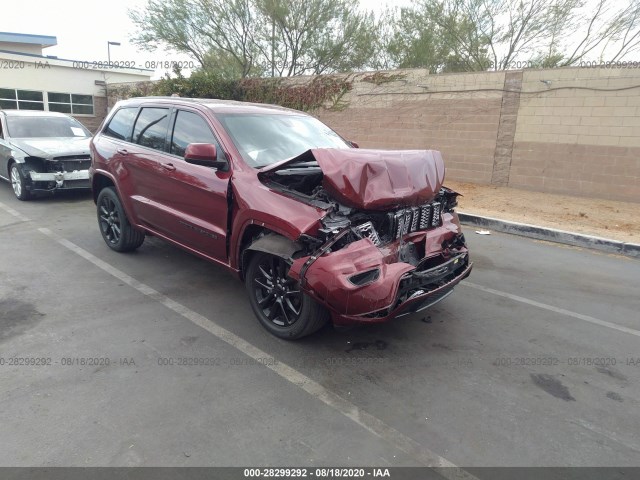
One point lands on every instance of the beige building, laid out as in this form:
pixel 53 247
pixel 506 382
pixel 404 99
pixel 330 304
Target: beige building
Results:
pixel 30 80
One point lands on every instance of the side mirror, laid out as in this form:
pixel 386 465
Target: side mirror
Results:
pixel 354 144
pixel 204 154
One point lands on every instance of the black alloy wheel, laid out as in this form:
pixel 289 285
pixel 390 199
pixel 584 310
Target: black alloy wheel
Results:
pixel 277 295
pixel 278 301
pixel 109 221
pixel 115 228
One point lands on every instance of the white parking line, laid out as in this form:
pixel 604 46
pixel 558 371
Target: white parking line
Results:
pixel 374 425
pixel 551 308
pixel 13 212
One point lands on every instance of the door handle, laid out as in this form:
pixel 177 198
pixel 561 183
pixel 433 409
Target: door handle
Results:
pixel 122 151
pixel 168 166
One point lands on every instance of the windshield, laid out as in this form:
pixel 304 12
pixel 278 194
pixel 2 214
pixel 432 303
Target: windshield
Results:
pixel 38 127
pixel 266 139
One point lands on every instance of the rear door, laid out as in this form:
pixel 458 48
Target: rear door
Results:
pixel 143 165
pixel 185 202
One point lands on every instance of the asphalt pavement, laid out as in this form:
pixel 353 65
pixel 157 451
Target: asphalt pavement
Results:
pixel 154 358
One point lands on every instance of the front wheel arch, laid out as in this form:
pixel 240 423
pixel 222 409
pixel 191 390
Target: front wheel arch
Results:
pixel 252 241
pixel 99 183
pixel 114 225
pixel 269 288
pixel 10 162
pixel 272 243
pixel 20 181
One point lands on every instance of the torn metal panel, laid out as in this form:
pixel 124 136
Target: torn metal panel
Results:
pixel 364 282
pixel 369 179
pixel 381 179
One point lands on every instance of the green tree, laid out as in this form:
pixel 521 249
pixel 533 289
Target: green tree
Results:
pixel 256 37
pixel 468 35
pixel 219 31
pixel 439 35
pixel 414 43
pixel 316 36
pixel 606 33
pixel 224 65
pixel 200 84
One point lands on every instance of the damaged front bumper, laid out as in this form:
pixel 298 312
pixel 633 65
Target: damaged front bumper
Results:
pixel 59 180
pixel 365 283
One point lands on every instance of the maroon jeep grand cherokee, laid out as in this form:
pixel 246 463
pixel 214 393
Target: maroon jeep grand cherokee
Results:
pixel 317 228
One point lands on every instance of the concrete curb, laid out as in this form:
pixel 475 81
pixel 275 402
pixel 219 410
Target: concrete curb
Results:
pixel 552 235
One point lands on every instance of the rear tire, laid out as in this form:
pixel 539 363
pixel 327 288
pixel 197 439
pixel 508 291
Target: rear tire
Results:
pixel 117 232
pixel 19 182
pixel 276 299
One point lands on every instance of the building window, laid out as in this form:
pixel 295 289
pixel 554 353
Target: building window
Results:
pixel 72 103
pixel 8 98
pixel 21 99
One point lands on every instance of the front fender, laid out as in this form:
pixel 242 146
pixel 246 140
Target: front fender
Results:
pixel 273 224
pixel 260 207
pixel 273 244
pixel 276 245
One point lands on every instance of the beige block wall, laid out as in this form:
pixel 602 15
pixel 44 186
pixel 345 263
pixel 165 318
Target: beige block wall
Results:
pixel 577 130
pixel 584 137
pixel 422 111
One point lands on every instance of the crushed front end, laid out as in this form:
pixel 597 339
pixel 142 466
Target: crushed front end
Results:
pixel 384 265
pixel 390 244
pixel 60 173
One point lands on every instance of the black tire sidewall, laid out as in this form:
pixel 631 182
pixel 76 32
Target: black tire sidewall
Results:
pixel 122 245
pixel 292 331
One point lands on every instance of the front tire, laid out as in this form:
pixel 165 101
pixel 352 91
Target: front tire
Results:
pixel 276 299
pixel 19 183
pixel 114 225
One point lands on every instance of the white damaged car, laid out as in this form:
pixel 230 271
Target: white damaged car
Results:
pixel 42 152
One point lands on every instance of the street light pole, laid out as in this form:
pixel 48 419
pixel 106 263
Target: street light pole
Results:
pixel 115 44
pixel 106 90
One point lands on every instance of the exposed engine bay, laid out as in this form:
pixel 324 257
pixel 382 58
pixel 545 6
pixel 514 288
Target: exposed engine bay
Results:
pixel 305 179
pixel 417 242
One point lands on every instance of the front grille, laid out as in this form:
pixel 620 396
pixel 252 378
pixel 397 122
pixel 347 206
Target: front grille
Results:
pixel 368 231
pixel 433 277
pixel 69 163
pixel 408 220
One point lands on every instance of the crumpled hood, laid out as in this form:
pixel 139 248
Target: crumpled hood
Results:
pixel 52 147
pixel 376 179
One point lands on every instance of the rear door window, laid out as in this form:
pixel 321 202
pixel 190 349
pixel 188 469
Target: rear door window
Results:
pixel 121 124
pixel 151 127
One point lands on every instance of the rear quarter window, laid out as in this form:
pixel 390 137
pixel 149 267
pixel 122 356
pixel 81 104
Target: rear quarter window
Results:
pixel 121 124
